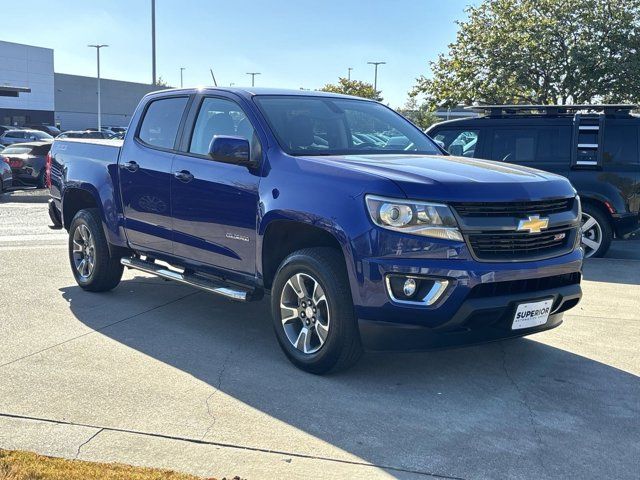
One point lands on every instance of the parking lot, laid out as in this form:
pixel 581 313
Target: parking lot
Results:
pixel 159 374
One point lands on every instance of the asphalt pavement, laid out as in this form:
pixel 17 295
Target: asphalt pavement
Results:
pixel 159 374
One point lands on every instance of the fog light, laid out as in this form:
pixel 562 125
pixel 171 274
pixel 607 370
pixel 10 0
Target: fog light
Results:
pixel 415 290
pixel 409 287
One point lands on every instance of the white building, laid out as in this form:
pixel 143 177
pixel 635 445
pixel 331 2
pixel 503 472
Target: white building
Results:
pixel 31 68
pixel 31 93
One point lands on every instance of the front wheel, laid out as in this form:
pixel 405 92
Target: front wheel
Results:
pixel 93 266
pixel 313 313
pixel 597 233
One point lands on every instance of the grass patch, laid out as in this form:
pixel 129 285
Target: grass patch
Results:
pixel 17 465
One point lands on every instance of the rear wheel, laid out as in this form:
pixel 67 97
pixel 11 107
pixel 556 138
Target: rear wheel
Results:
pixel 313 313
pixel 597 233
pixel 93 266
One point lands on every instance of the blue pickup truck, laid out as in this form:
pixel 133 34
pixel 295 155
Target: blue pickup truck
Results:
pixel 363 231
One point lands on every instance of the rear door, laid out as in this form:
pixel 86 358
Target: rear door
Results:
pixel 543 146
pixel 617 172
pixel 215 205
pixel 145 174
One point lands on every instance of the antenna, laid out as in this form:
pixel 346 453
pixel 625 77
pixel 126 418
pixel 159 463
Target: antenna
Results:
pixel 215 84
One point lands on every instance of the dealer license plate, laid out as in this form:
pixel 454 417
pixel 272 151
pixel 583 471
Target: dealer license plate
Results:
pixel 531 314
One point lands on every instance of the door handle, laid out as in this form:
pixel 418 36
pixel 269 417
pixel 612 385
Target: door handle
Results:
pixel 131 166
pixel 184 176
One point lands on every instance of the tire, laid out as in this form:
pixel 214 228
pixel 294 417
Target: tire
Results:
pixel 106 272
pixel 341 347
pixel 596 239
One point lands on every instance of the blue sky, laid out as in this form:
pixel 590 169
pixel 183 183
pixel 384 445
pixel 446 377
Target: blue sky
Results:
pixel 301 43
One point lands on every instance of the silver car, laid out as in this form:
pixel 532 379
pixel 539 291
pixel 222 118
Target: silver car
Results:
pixel 11 137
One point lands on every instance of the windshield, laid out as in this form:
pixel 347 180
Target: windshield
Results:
pixel 336 126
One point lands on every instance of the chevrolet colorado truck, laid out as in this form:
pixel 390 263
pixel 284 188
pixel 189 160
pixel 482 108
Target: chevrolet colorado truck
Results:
pixel 363 231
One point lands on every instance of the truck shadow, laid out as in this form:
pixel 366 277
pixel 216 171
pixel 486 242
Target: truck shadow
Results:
pixel 516 408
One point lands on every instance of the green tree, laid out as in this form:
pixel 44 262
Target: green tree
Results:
pixel 353 87
pixel 422 115
pixel 540 51
pixel 161 82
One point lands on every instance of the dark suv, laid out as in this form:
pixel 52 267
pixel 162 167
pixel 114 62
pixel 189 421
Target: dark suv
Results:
pixel 596 146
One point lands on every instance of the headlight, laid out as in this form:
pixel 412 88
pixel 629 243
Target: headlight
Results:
pixel 413 217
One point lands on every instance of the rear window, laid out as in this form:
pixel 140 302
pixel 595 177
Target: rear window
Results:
pixel 16 150
pixel 532 145
pixel 42 149
pixel 161 121
pixel 620 144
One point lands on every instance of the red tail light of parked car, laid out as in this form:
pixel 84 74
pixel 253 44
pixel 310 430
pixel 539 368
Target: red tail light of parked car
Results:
pixel 47 174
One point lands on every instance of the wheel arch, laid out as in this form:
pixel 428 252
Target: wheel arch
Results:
pixel 601 205
pixel 76 199
pixel 283 236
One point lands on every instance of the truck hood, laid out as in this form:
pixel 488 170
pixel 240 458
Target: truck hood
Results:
pixel 449 178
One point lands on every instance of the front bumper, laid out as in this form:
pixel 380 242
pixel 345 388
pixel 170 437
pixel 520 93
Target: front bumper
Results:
pixel 477 306
pixel 478 320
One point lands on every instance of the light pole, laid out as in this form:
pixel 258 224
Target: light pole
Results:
pixel 153 40
pixel 182 69
pixel 349 74
pixel 375 81
pixel 98 47
pixel 253 77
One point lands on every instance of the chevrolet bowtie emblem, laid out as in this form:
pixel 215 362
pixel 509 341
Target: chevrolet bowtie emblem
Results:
pixel 534 224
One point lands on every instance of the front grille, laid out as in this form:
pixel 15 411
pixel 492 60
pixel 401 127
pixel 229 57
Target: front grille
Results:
pixel 498 246
pixel 529 285
pixel 512 209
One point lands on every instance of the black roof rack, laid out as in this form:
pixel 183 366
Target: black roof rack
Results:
pixel 502 110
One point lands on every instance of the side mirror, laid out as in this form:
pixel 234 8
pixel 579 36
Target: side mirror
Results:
pixel 227 149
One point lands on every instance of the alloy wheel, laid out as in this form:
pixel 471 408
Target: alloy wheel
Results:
pixel 591 235
pixel 304 312
pixel 84 251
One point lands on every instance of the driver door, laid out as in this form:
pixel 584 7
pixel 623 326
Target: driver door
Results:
pixel 215 205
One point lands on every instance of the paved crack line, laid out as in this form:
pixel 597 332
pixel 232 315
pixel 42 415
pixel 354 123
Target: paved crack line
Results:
pixel 216 390
pixel 523 400
pixel 231 445
pixel 87 441
pixel 97 329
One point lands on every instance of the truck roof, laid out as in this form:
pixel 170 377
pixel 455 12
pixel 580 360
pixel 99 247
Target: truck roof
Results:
pixel 253 91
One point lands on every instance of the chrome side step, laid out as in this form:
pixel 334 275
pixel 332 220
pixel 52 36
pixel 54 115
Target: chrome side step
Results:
pixel 194 281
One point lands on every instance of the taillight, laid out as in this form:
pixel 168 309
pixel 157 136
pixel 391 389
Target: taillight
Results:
pixel 47 171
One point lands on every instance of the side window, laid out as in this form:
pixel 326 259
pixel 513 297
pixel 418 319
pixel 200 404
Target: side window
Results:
pixel 218 116
pixel 532 145
pixel 461 143
pixel 620 144
pixel 554 145
pixel 161 121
